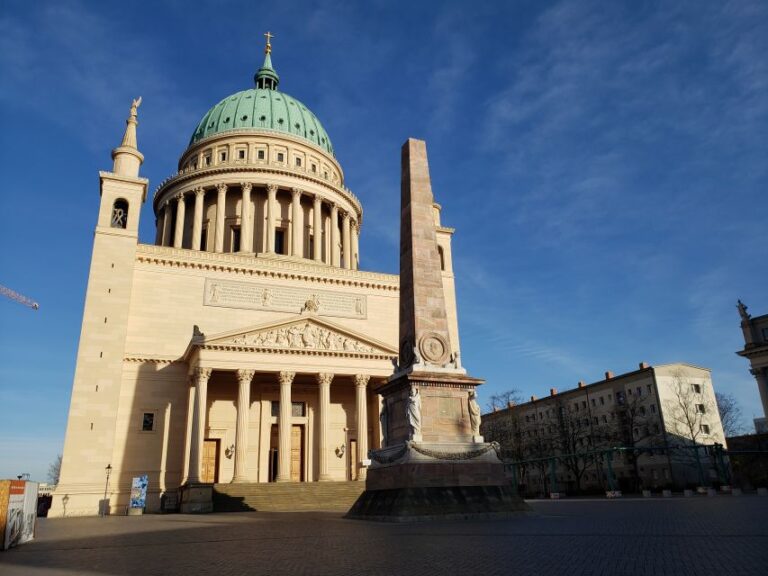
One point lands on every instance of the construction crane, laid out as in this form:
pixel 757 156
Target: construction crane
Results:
pixel 18 297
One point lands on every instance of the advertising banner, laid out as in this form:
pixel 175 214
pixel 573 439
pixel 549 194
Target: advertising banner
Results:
pixel 139 491
pixel 20 511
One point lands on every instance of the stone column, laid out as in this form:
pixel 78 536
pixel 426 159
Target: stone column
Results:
pixel 324 382
pixel 346 241
pixel 355 246
pixel 178 236
pixel 221 205
pixel 297 248
pixel 361 386
pixel 244 378
pixel 197 224
pixel 271 210
pixel 166 241
pixel 246 224
pixel 201 376
pixel 317 228
pixel 190 421
pixel 335 257
pixel 284 428
pixel 762 386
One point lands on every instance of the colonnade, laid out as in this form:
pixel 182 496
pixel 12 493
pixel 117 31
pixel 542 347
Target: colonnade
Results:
pixel 198 406
pixel 343 229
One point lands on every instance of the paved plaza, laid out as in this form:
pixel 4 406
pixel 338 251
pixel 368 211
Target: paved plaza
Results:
pixel 698 536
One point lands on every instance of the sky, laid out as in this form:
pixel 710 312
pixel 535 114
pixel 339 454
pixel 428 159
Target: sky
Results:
pixel 605 165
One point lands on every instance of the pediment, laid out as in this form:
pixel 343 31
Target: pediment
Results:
pixel 305 334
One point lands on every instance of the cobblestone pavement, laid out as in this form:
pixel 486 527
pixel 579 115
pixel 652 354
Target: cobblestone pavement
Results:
pixel 699 536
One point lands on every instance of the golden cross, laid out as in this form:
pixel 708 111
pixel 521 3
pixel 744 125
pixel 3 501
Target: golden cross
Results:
pixel 269 37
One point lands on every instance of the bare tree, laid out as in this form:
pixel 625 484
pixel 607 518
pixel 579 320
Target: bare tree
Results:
pixel 686 409
pixel 504 399
pixel 730 414
pixel 54 470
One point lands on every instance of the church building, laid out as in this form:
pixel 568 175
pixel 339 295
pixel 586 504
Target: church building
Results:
pixel 246 344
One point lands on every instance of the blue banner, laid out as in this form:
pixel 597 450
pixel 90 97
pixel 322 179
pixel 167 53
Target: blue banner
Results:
pixel 139 491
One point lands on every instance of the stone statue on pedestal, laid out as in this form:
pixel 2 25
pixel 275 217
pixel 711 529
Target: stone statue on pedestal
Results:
pixel 474 413
pixel 413 413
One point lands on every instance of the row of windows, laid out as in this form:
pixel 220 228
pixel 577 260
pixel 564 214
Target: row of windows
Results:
pixel 298 409
pixel 206 159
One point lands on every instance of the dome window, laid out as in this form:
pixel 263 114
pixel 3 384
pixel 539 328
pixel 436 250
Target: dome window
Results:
pixel 226 119
pixel 119 214
pixel 241 154
pixel 244 117
pixel 311 132
pixel 260 155
pixel 280 157
pixel 297 126
pixel 298 162
pixel 280 121
pixel 263 118
pixel 210 125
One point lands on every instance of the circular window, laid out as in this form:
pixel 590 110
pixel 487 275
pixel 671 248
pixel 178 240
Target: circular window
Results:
pixel 263 118
pixel 226 119
pixel 245 117
pixel 280 121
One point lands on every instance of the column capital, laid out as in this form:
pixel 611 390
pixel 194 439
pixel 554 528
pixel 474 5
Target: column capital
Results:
pixel 201 374
pixel 325 378
pixel 297 192
pixel 179 197
pixel 333 205
pixel 245 375
pixel 272 188
pixel 318 198
pixel 286 377
pixel 346 216
pixel 199 191
pixel 361 380
pixel 222 188
pixel 246 186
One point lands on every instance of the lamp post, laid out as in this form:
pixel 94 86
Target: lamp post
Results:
pixel 106 488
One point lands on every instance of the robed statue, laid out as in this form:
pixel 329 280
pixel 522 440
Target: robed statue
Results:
pixel 413 413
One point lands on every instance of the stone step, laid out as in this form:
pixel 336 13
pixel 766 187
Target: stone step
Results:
pixel 285 497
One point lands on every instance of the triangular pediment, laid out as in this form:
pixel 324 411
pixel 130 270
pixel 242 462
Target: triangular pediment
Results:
pixel 307 334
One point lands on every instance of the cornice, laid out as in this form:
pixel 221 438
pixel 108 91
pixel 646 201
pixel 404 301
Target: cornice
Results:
pixel 298 351
pixel 273 266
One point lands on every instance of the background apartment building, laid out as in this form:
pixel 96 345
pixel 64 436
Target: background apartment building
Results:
pixel 664 409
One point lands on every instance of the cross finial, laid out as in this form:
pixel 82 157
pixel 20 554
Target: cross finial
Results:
pixel 268 36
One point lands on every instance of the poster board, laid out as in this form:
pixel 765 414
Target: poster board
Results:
pixel 18 512
pixel 139 492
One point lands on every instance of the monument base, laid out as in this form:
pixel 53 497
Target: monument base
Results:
pixel 196 498
pixel 420 481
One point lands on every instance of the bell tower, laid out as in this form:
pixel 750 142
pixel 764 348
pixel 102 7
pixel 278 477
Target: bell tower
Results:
pixel 89 441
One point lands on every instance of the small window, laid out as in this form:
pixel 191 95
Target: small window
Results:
pixel 223 156
pixel 241 154
pixel 298 162
pixel 204 239
pixel 298 409
pixel 639 391
pixel 700 409
pixel 605 419
pixel 620 397
pixel 280 157
pixel 314 168
pixel 260 155
pixel 207 161
pixel 704 429
pixel 279 241
pixel 148 422
pixel 653 408
pixel 696 388
pixel 442 257
pixel 592 400
pixel 119 214
pixel 602 401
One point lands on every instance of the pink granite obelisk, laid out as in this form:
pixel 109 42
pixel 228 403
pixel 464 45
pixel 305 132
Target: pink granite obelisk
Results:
pixel 433 463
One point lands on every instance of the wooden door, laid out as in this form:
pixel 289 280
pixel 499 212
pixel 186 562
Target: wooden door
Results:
pixel 352 459
pixel 210 465
pixel 297 453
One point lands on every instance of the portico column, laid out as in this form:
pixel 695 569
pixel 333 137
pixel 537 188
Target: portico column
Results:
pixel 246 226
pixel 166 241
pixel 271 208
pixel 335 259
pixel 180 214
pixel 317 229
pixel 244 378
pixel 197 224
pixel 355 246
pixel 284 428
pixel 201 376
pixel 296 244
pixel 221 204
pixel 346 243
pixel 361 383
pixel 324 381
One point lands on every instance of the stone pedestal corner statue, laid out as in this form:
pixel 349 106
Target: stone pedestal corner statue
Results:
pixel 433 463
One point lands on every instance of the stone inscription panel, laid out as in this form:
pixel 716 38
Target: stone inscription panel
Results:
pixel 252 296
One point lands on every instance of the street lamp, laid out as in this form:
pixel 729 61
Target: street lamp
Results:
pixel 106 488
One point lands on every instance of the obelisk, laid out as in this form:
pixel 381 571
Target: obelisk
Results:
pixel 434 463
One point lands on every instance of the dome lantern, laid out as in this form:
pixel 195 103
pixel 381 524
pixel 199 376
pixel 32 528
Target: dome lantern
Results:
pixel 266 78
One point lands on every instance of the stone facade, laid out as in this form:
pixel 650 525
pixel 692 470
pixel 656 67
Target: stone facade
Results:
pixel 246 343
pixel 755 331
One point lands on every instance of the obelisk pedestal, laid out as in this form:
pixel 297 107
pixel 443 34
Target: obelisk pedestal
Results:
pixel 434 463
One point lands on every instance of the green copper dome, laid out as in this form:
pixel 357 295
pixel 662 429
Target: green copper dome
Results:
pixel 263 108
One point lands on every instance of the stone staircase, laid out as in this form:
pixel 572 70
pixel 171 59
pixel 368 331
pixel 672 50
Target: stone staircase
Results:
pixel 286 496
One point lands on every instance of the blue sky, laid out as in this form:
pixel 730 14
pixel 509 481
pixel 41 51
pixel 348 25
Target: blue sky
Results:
pixel 604 165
